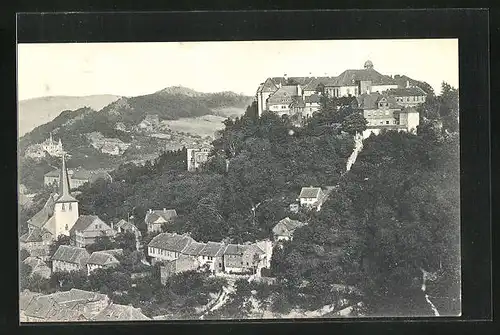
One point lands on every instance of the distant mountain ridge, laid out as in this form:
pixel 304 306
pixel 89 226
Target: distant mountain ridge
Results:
pixel 37 111
pixel 121 118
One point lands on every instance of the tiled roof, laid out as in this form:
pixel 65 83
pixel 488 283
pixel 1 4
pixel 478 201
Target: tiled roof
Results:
pixel 26 297
pixel 102 258
pixel 166 214
pixel 255 249
pixel 406 92
pixel 84 221
pixel 371 100
pixel 76 295
pixel 71 254
pixel 34 235
pixel 312 98
pixel 170 242
pixel 194 249
pixel 287 226
pixel 40 218
pixel 235 249
pixel 115 312
pixel 309 192
pixel 283 95
pixel 349 77
pixel 212 249
pixel 269 86
pixel 127 226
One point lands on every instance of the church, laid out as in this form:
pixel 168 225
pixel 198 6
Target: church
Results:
pixel 57 217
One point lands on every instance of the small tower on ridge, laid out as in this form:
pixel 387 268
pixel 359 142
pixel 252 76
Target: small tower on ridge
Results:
pixel 66 206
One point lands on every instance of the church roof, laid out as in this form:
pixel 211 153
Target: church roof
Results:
pixel 41 217
pixel 64 186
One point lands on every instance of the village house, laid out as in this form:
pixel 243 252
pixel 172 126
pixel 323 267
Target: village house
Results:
pixel 77 177
pixel 116 312
pixel 178 265
pixel 310 196
pixel 242 259
pixel 57 217
pixel 167 246
pixel 69 258
pixel 73 305
pixel 123 226
pixel 284 229
pixel 103 259
pixel 155 219
pixel 86 230
pixel 212 255
pixel 38 267
pixel 196 157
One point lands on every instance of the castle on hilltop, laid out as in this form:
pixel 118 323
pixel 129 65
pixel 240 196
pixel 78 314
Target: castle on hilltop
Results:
pixel 49 146
pixel 386 104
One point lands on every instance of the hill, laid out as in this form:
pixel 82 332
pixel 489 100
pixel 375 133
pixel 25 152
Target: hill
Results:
pixel 37 111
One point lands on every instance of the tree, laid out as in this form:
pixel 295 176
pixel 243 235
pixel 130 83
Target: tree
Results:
pixel 126 241
pixel 354 123
pixel 102 242
pixel 449 107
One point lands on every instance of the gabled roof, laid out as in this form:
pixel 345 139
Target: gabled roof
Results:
pixel 350 77
pixel 407 92
pixel 84 221
pixel 371 100
pixel 165 214
pixel 74 294
pixel 235 249
pixel 194 249
pixel 40 218
pixel 26 297
pixel 267 86
pixel 115 312
pixel 310 192
pixel 127 226
pixel 71 254
pixel 170 242
pixel 254 248
pixel 283 95
pixel 287 226
pixel 34 235
pixel 102 258
pixel 212 249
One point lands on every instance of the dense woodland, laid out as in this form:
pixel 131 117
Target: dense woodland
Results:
pixel 393 215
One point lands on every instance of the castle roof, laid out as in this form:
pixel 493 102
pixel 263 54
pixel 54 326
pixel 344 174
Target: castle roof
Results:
pixel 370 100
pixel 350 77
pixel 284 95
pixel 406 92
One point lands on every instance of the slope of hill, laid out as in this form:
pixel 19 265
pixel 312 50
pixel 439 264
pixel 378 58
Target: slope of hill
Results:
pixel 37 111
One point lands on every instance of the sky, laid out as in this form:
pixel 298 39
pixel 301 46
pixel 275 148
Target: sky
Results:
pixel 132 69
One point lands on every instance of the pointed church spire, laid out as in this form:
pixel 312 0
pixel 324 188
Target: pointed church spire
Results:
pixel 64 186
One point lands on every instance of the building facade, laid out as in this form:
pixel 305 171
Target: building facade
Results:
pixel 155 219
pixel 87 229
pixel 68 258
pixel 196 157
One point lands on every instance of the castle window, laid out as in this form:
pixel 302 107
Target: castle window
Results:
pixel 63 208
pixel 386 122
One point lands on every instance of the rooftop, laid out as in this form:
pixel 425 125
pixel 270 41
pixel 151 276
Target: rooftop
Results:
pixel 71 254
pixel 310 192
pixel 170 242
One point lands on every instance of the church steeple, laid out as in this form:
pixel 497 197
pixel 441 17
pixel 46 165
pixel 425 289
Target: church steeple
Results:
pixel 64 185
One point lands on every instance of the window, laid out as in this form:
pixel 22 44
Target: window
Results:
pixel 62 208
pixel 247 263
pixel 241 263
pixel 220 265
pixel 96 226
pixel 66 227
pixel 386 112
pixel 69 206
pixel 381 122
pixel 386 122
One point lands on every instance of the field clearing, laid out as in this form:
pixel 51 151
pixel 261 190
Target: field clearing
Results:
pixel 203 126
pixel 230 112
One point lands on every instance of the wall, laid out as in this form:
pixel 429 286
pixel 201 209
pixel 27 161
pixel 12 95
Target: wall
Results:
pixel 66 215
pixel 376 117
pixel 410 101
pixel 308 201
pixel 413 122
pixel 160 254
pixel 59 266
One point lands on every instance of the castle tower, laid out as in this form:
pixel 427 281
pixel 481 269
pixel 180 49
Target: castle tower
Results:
pixel 66 206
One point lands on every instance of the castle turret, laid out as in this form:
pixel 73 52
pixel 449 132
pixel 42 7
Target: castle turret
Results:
pixel 66 206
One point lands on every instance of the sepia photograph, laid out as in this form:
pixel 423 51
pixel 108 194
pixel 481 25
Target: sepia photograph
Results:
pixel 238 180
